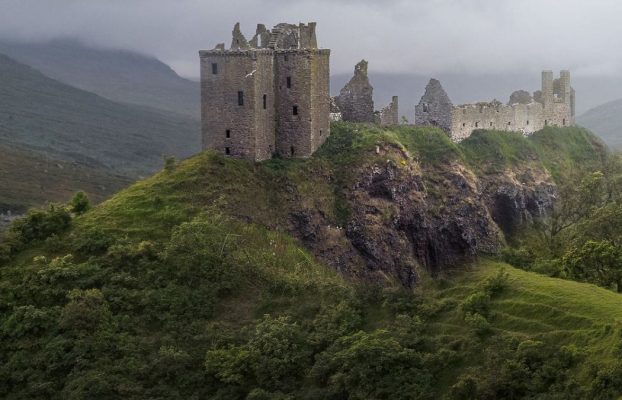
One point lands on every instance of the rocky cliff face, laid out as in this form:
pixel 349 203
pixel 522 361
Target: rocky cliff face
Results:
pixel 404 218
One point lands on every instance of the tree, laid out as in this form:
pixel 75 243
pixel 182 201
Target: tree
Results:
pixel 598 262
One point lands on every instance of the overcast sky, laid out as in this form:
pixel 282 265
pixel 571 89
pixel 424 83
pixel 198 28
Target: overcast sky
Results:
pixel 420 36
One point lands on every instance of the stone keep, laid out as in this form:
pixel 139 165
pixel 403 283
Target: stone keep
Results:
pixel 266 96
pixel 554 105
pixel 356 98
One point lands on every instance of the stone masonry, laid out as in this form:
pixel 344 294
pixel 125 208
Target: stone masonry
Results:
pixel 554 105
pixel 356 98
pixel 435 107
pixel 266 96
pixel 389 115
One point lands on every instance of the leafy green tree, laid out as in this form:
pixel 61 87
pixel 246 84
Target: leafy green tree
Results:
pixel 598 262
pixel 373 366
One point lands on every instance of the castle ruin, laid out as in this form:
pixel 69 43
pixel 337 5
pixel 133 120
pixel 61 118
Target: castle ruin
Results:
pixel 355 102
pixel 554 105
pixel 266 96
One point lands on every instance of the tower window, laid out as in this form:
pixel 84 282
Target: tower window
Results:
pixel 491 124
pixel 265 101
pixel 286 58
pixel 320 132
pixel 464 124
pixel 546 122
pixel 509 123
pixel 228 150
pixel 228 133
pixel 295 110
pixel 214 68
pixel 425 108
pixel 289 82
pixel 292 150
pixel 564 122
pixel 240 98
pixel 477 124
pixel 527 122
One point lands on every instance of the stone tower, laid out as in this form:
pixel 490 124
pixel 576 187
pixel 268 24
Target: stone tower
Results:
pixel 356 98
pixel 557 98
pixel 266 96
pixel 435 107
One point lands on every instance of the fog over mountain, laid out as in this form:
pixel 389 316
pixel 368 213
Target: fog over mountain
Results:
pixel 479 49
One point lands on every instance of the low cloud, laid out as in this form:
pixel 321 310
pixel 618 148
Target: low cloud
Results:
pixel 426 37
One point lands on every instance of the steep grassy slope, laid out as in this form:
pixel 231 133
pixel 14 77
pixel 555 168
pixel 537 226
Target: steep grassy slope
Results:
pixel 75 125
pixel 122 76
pixel 606 121
pixel 30 179
pixel 189 285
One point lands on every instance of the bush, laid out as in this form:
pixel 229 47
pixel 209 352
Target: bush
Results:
pixel 79 204
pixel 496 284
pixel 477 303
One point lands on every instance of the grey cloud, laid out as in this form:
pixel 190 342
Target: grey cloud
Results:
pixel 426 37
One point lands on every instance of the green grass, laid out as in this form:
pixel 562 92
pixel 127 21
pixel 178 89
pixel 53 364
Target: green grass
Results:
pixel 563 150
pixel 537 307
pixel 491 151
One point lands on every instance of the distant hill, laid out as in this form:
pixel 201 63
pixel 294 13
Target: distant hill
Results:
pixel 74 125
pixel 115 74
pixel 606 121
pixel 29 178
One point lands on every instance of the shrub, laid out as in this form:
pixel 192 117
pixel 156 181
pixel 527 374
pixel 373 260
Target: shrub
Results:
pixel 79 204
pixel 477 303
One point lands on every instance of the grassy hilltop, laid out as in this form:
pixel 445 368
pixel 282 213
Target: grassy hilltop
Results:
pixel 206 281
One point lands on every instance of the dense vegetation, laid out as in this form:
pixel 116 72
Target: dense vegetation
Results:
pixel 161 292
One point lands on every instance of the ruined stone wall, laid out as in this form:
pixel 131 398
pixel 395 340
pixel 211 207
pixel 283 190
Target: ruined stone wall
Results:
pixel 293 103
pixel 389 115
pixel 320 99
pixel 228 127
pixel 356 98
pixel 265 124
pixel 435 108
pixel 526 118
pixel 553 105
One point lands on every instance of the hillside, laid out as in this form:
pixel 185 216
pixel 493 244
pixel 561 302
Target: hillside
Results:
pixel 66 123
pixel 118 75
pixel 30 179
pixel 223 278
pixel 606 121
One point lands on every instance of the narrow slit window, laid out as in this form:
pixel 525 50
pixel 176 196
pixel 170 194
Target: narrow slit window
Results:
pixel 214 69
pixel 491 124
pixel 527 122
pixel 477 124
pixel 564 122
pixel 240 98
pixel 265 101
pixel 295 110
pixel 228 133
pixel 292 150
pixel 227 150
pixel 289 82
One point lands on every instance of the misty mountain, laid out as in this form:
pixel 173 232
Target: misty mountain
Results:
pixel 118 75
pixel 74 125
pixel 468 88
pixel 605 121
